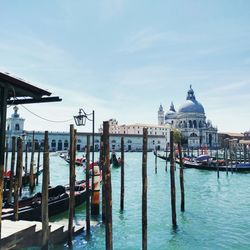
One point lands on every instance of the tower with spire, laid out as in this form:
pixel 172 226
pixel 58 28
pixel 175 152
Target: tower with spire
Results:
pixel 160 115
pixel 14 125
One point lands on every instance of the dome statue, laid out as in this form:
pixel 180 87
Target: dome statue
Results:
pixel 191 105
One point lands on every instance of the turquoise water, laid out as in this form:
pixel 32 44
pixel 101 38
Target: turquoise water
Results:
pixel 216 215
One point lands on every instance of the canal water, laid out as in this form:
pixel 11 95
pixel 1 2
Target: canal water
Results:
pixel 216 216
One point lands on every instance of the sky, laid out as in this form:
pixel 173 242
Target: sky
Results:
pixel 123 58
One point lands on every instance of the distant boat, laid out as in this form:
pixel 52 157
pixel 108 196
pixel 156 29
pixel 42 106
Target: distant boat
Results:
pixel 163 157
pixel 214 165
pixel 116 163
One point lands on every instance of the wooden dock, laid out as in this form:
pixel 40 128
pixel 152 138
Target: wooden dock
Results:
pixel 20 234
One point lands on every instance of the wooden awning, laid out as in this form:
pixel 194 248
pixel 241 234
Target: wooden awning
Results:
pixel 20 91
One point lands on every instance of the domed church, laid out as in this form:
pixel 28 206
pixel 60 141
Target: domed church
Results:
pixel 191 121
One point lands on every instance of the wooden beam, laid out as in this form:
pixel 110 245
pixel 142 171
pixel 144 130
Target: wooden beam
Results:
pixel 34 100
pixel 3 108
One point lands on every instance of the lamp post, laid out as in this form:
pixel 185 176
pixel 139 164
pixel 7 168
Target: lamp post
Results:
pixel 80 120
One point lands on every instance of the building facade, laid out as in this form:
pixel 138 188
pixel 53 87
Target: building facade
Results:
pixel 158 136
pixel 191 121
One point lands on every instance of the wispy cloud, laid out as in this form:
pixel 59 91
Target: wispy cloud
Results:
pixel 147 38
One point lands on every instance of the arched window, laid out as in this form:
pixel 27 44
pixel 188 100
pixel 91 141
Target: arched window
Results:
pixel 17 127
pixel 66 144
pixel 53 143
pixel 129 141
pixel 59 145
pixel 8 128
pixel 195 123
pixel 190 124
pixel 200 124
pixel 193 135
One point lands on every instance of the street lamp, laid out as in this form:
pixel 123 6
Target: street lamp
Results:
pixel 80 120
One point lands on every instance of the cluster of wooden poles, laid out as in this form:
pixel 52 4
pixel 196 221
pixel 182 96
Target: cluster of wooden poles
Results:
pixel 104 165
pixel 15 180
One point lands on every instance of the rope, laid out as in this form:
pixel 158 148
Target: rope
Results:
pixel 48 120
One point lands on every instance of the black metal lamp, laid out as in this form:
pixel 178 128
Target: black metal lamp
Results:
pixel 80 119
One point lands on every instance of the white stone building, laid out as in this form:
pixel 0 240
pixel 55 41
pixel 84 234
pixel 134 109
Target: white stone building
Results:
pixel 158 136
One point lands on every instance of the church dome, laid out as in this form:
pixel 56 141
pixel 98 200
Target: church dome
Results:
pixel 191 105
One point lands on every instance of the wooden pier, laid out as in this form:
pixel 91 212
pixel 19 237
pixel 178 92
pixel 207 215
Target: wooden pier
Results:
pixel 21 234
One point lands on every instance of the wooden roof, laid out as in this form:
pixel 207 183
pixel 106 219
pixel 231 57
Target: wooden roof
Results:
pixel 22 92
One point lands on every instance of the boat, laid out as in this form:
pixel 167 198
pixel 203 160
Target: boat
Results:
pixel 116 163
pixel 214 165
pixel 58 202
pixel 78 161
pixel 163 157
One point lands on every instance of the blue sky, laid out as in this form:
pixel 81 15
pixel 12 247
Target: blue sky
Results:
pixel 124 58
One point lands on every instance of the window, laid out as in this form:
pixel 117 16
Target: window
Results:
pixel 17 127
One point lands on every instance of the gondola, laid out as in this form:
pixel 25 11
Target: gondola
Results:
pixel 58 202
pixel 214 166
pixel 163 157
pixel 116 163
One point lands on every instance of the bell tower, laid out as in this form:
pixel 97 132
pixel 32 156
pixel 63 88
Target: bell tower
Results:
pixel 14 125
pixel 160 116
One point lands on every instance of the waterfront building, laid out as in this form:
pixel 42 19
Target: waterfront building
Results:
pixel 191 121
pixel 158 136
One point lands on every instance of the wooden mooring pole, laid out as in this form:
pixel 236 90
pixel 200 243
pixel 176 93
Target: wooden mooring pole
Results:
pixel 38 162
pixel 12 167
pixel 31 179
pixel 19 167
pixel 217 163
pixel 26 159
pixel 108 189
pixel 20 163
pixel 172 179
pixel 87 189
pixel 144 190
pixel 6 162
pixel 104 145
pixel 155 160
pixel 166 162
pixel 71 184
pixel 181 179
pixel 122 175
pixel 45 194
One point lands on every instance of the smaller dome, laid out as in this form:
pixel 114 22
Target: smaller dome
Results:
pixel 171 114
